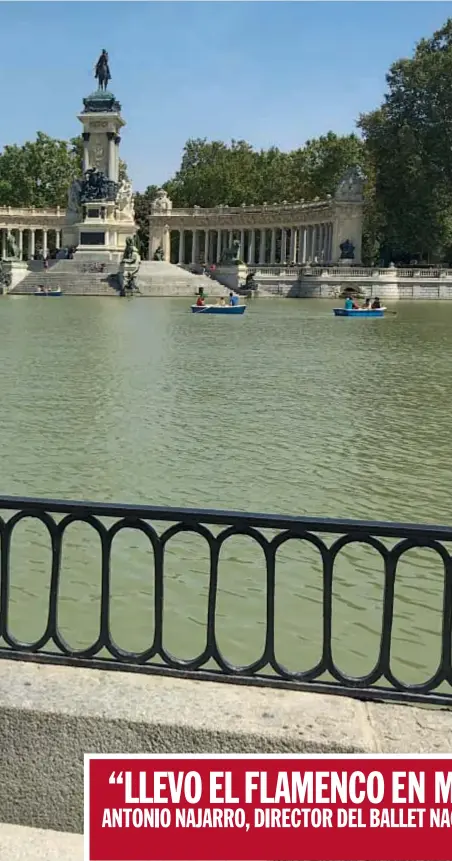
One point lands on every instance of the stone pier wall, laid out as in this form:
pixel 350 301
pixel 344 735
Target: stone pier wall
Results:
pixel 50 716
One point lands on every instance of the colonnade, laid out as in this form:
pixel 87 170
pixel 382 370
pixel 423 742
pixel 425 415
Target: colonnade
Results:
pixel 261 246
pixel 29 239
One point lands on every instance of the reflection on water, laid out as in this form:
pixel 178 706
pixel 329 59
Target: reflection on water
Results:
pixel 284 410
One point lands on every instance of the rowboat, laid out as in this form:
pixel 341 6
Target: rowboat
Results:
pixel 55 292
pixel 218 309
pixel 356 312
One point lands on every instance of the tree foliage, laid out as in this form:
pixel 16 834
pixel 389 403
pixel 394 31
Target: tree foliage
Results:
pixel 213 172
pixel 408 141
pixel 38 173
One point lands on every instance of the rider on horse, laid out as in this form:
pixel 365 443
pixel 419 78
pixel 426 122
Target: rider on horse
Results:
pixel 102 71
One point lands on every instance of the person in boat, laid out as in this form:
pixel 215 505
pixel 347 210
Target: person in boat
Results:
pixel 366 306
pixel 233 299
pixel 221 301
pixel 348 303
pixel 200 301
pixel 376 304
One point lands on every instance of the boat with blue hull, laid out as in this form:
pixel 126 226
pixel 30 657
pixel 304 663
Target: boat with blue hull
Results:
pixel 357 312
pixel 56 292
pixel 218 309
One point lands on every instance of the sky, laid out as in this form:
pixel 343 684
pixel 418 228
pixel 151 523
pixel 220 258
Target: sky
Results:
pixel 272 73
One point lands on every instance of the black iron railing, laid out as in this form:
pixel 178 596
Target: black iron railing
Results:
pixel 380 683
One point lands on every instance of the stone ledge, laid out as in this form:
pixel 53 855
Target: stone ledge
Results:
pixel 50 716
pixel 18 843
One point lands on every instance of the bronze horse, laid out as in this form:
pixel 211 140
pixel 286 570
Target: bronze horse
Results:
pixel 102 71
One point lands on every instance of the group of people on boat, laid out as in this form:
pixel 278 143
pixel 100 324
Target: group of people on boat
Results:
pixel 369 305
pixel 233 299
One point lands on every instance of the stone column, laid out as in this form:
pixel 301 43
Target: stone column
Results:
pixel 242 244
pixel 20 243
pixel 44 242
pixel 252 248
pixel 314 241
pixel 323 242
pixel 181 246
pixel 327 243
pixel 206 247
pixel 273 247
pixel 117 142
pixel 262 241
pixel 230 238
pixel 85 137
pixel 111 155
pixel 57 240
pixel 219 238
pixel 167 244
pixel 294 242
pixel 194 247
pixel 283 245
pixel 291 245
pixel 303 245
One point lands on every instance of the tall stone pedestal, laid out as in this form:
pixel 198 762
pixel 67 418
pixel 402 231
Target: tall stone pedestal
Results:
pixel 15 270
pixel 100 207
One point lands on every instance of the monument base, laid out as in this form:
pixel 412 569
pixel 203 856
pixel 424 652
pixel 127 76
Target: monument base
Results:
pixel 16 270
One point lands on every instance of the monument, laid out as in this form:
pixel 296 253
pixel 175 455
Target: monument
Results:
pixel 100 212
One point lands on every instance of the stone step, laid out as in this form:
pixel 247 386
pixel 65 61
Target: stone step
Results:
pixel 19 843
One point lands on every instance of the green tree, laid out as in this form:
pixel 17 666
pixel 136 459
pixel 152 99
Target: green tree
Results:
pixel 317 167
pixel 142 210
pixel 38 173
pixel 408 140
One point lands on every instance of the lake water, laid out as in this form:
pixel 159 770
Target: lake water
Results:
pixel 284 410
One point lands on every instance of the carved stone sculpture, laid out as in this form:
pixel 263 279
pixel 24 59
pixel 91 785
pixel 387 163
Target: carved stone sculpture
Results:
pixel 351 186
pixel 158 255
pixel 125 205
pixel 12 252
pixel 130 265
pixel 162 203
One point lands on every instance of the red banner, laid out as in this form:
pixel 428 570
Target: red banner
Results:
pixel 263 808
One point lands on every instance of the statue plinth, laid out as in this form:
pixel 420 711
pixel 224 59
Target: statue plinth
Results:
pixel 100 214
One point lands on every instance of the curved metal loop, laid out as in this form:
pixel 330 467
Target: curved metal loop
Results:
pixel 379 682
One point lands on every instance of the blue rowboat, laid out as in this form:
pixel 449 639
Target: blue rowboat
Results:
pixel 353 312
pixel 218 309
pixel 56 292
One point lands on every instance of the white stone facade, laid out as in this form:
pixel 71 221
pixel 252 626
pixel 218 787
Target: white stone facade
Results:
pixel 32 229
pixel 270 234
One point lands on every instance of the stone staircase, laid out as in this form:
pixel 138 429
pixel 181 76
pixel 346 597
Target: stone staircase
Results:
pixel 73 279
pixel 155 278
